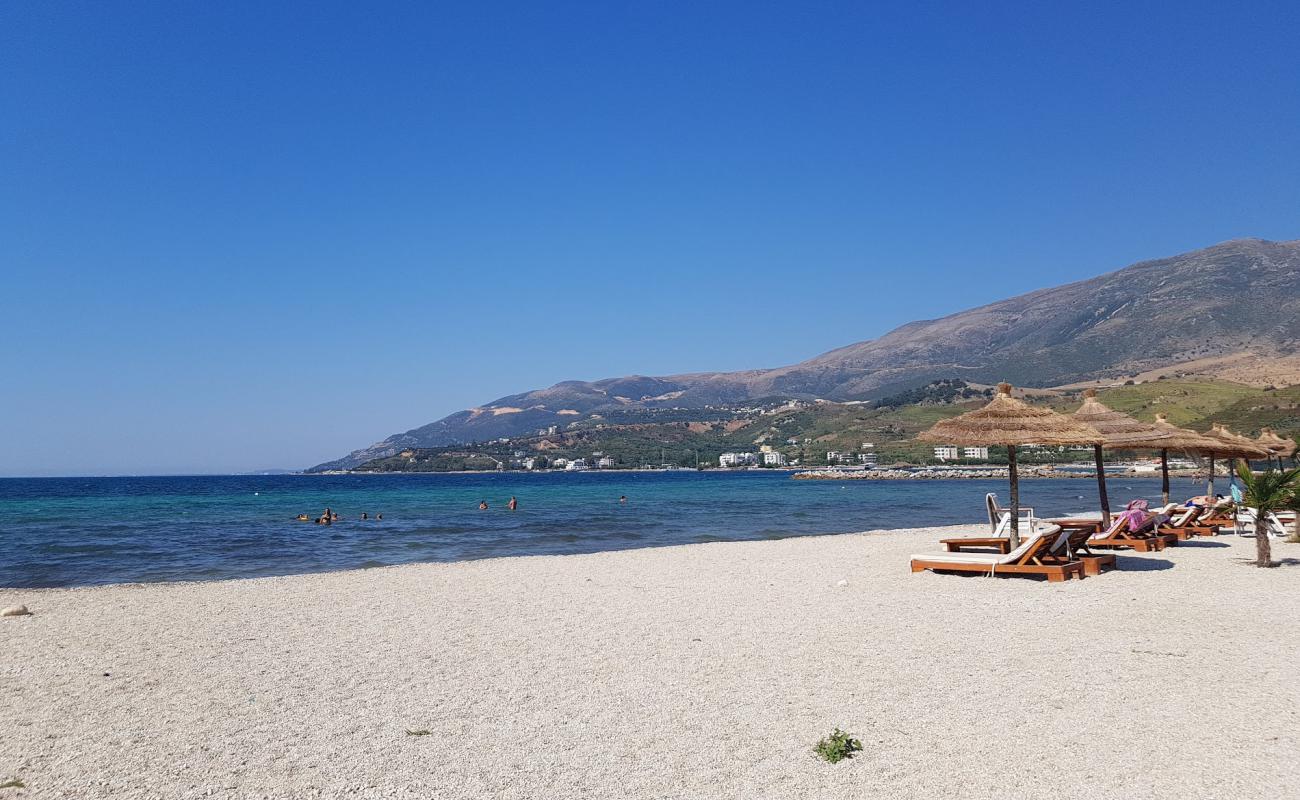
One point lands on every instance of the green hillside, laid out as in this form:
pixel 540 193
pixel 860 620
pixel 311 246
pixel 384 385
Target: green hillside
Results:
pixel 1277 408
pixel 805 432
pixel 1187 403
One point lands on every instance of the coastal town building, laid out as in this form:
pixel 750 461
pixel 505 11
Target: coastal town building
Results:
pixel 738 460
pixel 576 465
pixel 952 453
pixel 605 462
pixel 771 458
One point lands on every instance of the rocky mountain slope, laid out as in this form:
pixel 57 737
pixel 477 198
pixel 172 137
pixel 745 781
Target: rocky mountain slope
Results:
pixel 1236 302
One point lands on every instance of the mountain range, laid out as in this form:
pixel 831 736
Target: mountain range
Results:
pixel 1230 311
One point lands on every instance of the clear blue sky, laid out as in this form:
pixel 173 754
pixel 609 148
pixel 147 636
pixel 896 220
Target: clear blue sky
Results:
pixel 246 235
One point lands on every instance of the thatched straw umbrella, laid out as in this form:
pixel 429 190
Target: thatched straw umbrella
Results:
pixel 1119 432
pixel 1231 447
pixel 1010 422
pixel 1185 440
pixel 1277 446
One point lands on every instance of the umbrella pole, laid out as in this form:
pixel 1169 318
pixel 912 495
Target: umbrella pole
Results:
pixel 1101 485
pixel 1014 534
pixel 1164 475
pixel 1209 487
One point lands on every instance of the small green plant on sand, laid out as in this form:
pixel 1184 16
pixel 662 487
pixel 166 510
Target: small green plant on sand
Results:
pixel 838 746
pixel 420 732
pixel 13 784
pixel 1268 491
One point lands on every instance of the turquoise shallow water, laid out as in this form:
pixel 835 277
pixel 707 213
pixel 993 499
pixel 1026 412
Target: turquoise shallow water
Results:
pixel 83 531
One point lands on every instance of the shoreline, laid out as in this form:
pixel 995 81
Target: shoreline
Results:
pixel 679 671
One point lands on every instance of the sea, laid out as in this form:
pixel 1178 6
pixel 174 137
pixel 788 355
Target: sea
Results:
pixel 59 532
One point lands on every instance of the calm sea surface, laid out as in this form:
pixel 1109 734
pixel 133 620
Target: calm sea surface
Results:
pixel 82 531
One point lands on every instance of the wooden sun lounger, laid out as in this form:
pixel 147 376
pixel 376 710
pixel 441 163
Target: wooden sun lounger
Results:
pixel 1120 537
pixel 1188 524
pixel 1075 548
pixel 1219 516
pixel 1002 544
pixel 1033 557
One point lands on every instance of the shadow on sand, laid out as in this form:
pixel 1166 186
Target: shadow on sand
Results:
pixel 1141 564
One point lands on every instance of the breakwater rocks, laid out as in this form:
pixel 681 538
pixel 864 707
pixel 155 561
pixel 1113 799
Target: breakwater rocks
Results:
pixel 935 473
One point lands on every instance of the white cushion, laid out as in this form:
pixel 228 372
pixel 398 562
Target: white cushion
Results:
pixel 960 558
pixel 993 558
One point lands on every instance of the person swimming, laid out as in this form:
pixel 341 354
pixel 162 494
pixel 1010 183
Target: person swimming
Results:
pixel 622 498
pixel 303 518
pixel 513 505
pixel 379 516
pixel 482 505
pixel 363 515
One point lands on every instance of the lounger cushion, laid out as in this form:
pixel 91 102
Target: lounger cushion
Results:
pixel 960 558
pixel 993 558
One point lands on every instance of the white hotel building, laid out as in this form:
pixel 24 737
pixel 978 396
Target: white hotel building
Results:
pixel 737 460
pixel 952 453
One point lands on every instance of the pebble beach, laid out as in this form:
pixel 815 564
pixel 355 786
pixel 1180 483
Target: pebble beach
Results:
pixel 697 671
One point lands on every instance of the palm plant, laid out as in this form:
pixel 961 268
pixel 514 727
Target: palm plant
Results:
pixel 1268 491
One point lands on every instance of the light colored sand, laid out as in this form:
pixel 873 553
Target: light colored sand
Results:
pixel 700 671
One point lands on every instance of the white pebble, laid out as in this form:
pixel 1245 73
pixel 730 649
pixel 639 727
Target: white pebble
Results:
pixel 14 611
pixel 842 582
